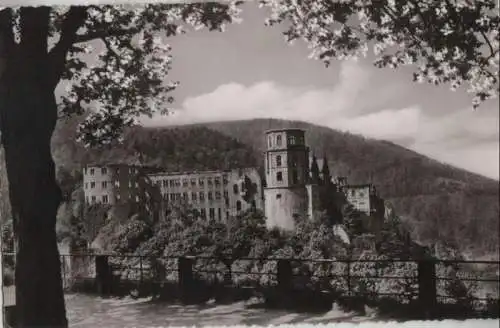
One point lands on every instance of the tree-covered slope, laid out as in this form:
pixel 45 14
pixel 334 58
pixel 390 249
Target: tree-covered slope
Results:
pixel 442 202
pixel 176 149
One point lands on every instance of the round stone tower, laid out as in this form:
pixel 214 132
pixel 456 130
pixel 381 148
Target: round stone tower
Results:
pixel 287 173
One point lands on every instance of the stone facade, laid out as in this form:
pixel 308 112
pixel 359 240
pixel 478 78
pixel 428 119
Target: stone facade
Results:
pixel 364 198
pixel 288 193
pixel 295 186
pixel 215 194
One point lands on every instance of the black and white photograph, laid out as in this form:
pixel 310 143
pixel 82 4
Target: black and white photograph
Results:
pixel 249 163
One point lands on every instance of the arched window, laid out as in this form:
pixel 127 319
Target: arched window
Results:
pixel 278 140
pixel 278 160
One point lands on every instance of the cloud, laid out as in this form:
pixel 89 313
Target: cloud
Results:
pixel 357 103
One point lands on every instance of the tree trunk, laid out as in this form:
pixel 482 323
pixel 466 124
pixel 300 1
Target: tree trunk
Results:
pixel 28 114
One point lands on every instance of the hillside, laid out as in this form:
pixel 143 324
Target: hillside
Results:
pixel 440 202
pixel 176 149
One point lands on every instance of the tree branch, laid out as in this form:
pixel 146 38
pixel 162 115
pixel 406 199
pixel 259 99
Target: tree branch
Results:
pixel 73 20
pixel 492 50
pixel 101 34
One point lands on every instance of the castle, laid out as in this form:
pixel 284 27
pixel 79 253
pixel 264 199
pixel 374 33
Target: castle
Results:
pixel 292 187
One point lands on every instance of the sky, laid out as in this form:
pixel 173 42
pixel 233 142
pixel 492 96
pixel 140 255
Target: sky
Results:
pixel 249 71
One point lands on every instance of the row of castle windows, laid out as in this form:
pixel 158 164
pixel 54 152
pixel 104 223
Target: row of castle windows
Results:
pixel 93 199
pixel 104 170
pixel 104 184
pixel 105 199
pixel 279 140
pixel 279 162
pixel 201 198
pixel 197 196
pixel 185 183
pixel 279 176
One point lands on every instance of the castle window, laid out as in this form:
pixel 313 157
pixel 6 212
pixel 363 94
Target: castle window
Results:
pixel 278 196
pixel 278 160
pixel 104 184
pixel 105 199
pixel 212 213
pixel 235 188
pixel 238 206
pixel 279 176
pixel 177 182
pixel 177 196
pixel 203 213
pixel 278 140
pixel 291 140
pixel 209 181
pixel 165 183
pixel 104 170
pixel 219 212
pixel 217 181
pixel 210 197
pixel 201 182
pixel 202 196
pixel 93 199
pixel 217 195
pixel 172 197
pixel 194 196
pixel 92 171
pixel 193 182
pixel 92 185
pixel 185 195
pixel 184 183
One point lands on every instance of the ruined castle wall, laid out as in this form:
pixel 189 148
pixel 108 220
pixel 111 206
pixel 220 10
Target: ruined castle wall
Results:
pixel 282 204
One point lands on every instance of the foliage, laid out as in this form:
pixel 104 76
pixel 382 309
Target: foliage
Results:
pixel 128 79
pixel 439 202
pixel 452 42
pixel 173 149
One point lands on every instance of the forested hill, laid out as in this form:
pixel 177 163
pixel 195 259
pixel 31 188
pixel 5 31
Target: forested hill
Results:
pixel 176 149
pixel 442 203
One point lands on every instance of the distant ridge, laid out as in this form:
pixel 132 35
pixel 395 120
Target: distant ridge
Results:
pixel 440 202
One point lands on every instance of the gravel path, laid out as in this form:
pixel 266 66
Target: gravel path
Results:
pixel 88 311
